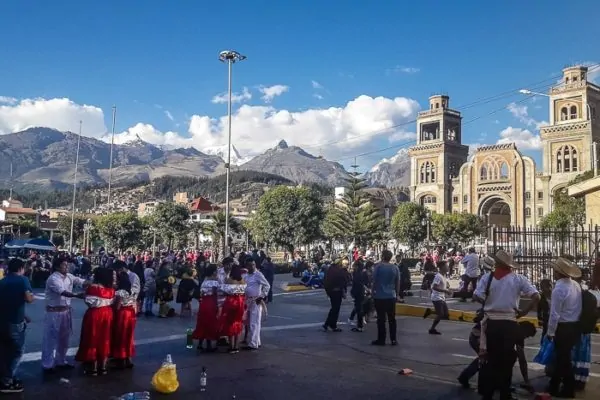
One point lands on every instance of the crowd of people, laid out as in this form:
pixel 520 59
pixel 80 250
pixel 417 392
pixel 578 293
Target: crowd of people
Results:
pixel 232 298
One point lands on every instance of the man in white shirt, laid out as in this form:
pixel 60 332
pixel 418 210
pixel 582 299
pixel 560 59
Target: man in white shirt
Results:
pixel 565 311
pixel 499 328
pixel 439 290
pixel 472 272
pixel 57 321
pixel 257 290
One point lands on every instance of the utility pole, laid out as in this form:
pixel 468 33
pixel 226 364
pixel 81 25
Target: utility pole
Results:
pixel 112 143
pixel 354 175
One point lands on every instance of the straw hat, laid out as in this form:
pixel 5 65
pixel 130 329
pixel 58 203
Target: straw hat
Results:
pixel 488 263
pixel 503 259
pixel 566 267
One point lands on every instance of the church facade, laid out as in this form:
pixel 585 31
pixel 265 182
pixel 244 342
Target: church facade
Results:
pixel 499 183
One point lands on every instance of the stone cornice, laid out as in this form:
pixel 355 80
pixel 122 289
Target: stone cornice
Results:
pixel 439 111
pixel 493 188
pixel 437 147
pixel 572 129
pixel 496 147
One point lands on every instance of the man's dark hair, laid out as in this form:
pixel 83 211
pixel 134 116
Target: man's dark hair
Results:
pixel 57 263
pixel 119 265
pixel 227 260
pixel 386 255
pixel 527 328
pixel 15 265
pixel 248 261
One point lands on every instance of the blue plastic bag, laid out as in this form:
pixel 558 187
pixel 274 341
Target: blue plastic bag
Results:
pixel 546 354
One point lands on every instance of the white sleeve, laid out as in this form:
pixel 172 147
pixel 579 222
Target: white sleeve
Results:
pixel 482 285
pixel 527 289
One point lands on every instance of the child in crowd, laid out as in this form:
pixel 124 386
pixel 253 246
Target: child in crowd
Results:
pixel 440 287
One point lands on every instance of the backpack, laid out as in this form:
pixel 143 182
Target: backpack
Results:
pixel 589 312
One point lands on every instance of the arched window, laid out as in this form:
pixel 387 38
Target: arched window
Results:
pixel 567 159
pixel 564 114
pixel 484 172
pixel 427 172
pixel 573 112
pixel 504 170
pixel 428 199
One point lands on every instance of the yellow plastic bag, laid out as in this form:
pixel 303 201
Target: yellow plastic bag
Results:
pixel 165 379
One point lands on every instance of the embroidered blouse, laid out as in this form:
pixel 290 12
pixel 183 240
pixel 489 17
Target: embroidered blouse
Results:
pixel 233 289
pixel 125 298
pixel 208 287
pixel 97 296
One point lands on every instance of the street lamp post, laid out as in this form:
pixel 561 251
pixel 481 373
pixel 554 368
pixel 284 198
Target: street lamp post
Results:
pixel 427 222
pixel 230 57
pixel 86 236
pixel 110 162
pixel 75 188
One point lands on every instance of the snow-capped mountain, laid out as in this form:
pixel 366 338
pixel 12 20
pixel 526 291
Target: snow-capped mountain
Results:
pixel 221 151
pixel 391 172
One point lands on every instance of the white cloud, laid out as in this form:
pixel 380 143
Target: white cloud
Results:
pixel 402 70
pixel 8 100
pixel 62 114
pixel 523 138
pixel 222 98
pixel 520 112
pixel 270 92
pixel 318 96
pixel 358 126
pixel 169 115
pixel 316 85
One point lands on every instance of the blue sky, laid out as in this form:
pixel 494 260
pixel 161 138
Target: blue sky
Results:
pixel 154 57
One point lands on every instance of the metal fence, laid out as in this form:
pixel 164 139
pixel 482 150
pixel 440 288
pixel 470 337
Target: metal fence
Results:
pixel 535 248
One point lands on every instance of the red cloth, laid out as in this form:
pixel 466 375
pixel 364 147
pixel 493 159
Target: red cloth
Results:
pixel 207 326
pixel 232 317
pixel 96 328
pixel 501 272
pixel 122 345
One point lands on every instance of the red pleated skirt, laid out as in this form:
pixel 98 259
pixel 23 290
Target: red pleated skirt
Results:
pixel 96 335
pixel 207 326
pixel 122 345
pixel 232 317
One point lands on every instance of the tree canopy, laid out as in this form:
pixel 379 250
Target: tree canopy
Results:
pixel 119 231
pixel 170 220
pixel 407 224
pixel 456 228
pixel 288 216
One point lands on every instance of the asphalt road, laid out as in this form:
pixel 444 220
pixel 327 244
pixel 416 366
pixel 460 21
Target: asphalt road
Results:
pixel 297 360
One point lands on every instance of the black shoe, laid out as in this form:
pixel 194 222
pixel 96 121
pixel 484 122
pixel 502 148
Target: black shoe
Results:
pixel 13 387
pixel 434 332
pixel 65 366
pixel 394 343
pixel 464 383
pixel 248 348
pixel 378 343
pixel 48 371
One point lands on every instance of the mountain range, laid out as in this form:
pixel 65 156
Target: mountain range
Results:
pixel 43 158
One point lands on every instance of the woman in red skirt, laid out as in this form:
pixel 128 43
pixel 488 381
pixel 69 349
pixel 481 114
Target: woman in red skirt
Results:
pixel 207 326
pixel 122 346
pixel 96 327
pixel 232 315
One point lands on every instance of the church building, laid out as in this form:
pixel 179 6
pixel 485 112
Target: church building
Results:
pixel 498 182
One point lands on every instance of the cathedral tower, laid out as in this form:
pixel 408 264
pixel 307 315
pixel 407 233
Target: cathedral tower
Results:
pixel 437 156
pixel 568 140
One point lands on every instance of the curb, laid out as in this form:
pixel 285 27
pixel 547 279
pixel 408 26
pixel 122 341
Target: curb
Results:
pixel 295 288
pixel 455 315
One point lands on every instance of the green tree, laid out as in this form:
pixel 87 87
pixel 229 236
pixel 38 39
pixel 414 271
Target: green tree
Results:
pixel 64 225
pixel 288 217
pixel 170 220
pixel 456 228
pixel 216 228
pixel 119 231
pixel 407 224
pixel 353 218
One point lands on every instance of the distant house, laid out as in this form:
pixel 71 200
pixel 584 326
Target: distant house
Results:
pixel 13 210
pixel 147 208
pixel 202 206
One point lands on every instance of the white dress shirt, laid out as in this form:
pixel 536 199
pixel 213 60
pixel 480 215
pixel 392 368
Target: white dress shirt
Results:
pixel 257 285
pixel 565 305
pixel 471 263
pixel 505 294
pixel 58 283
pixel 135 284
pixel 442 283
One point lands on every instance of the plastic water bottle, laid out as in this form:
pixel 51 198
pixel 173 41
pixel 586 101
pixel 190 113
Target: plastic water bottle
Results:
pixel 136 396
pixel 203 380
pixel 189 339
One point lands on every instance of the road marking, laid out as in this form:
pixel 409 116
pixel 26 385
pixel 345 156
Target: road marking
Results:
pixel 531 366
pixel 278 316
pixel 527 347
pixel 300 294
pixel 37 355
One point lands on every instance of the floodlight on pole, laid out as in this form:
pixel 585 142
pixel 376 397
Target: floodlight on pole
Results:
pixel 75 188
pixel 230 57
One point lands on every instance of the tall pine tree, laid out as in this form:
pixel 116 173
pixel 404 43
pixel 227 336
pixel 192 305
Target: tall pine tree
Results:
pixel 353 218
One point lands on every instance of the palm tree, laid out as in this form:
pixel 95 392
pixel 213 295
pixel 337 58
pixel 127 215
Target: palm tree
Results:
pixel 217 229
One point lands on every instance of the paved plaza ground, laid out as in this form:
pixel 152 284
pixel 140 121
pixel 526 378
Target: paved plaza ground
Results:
pixel 297 361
